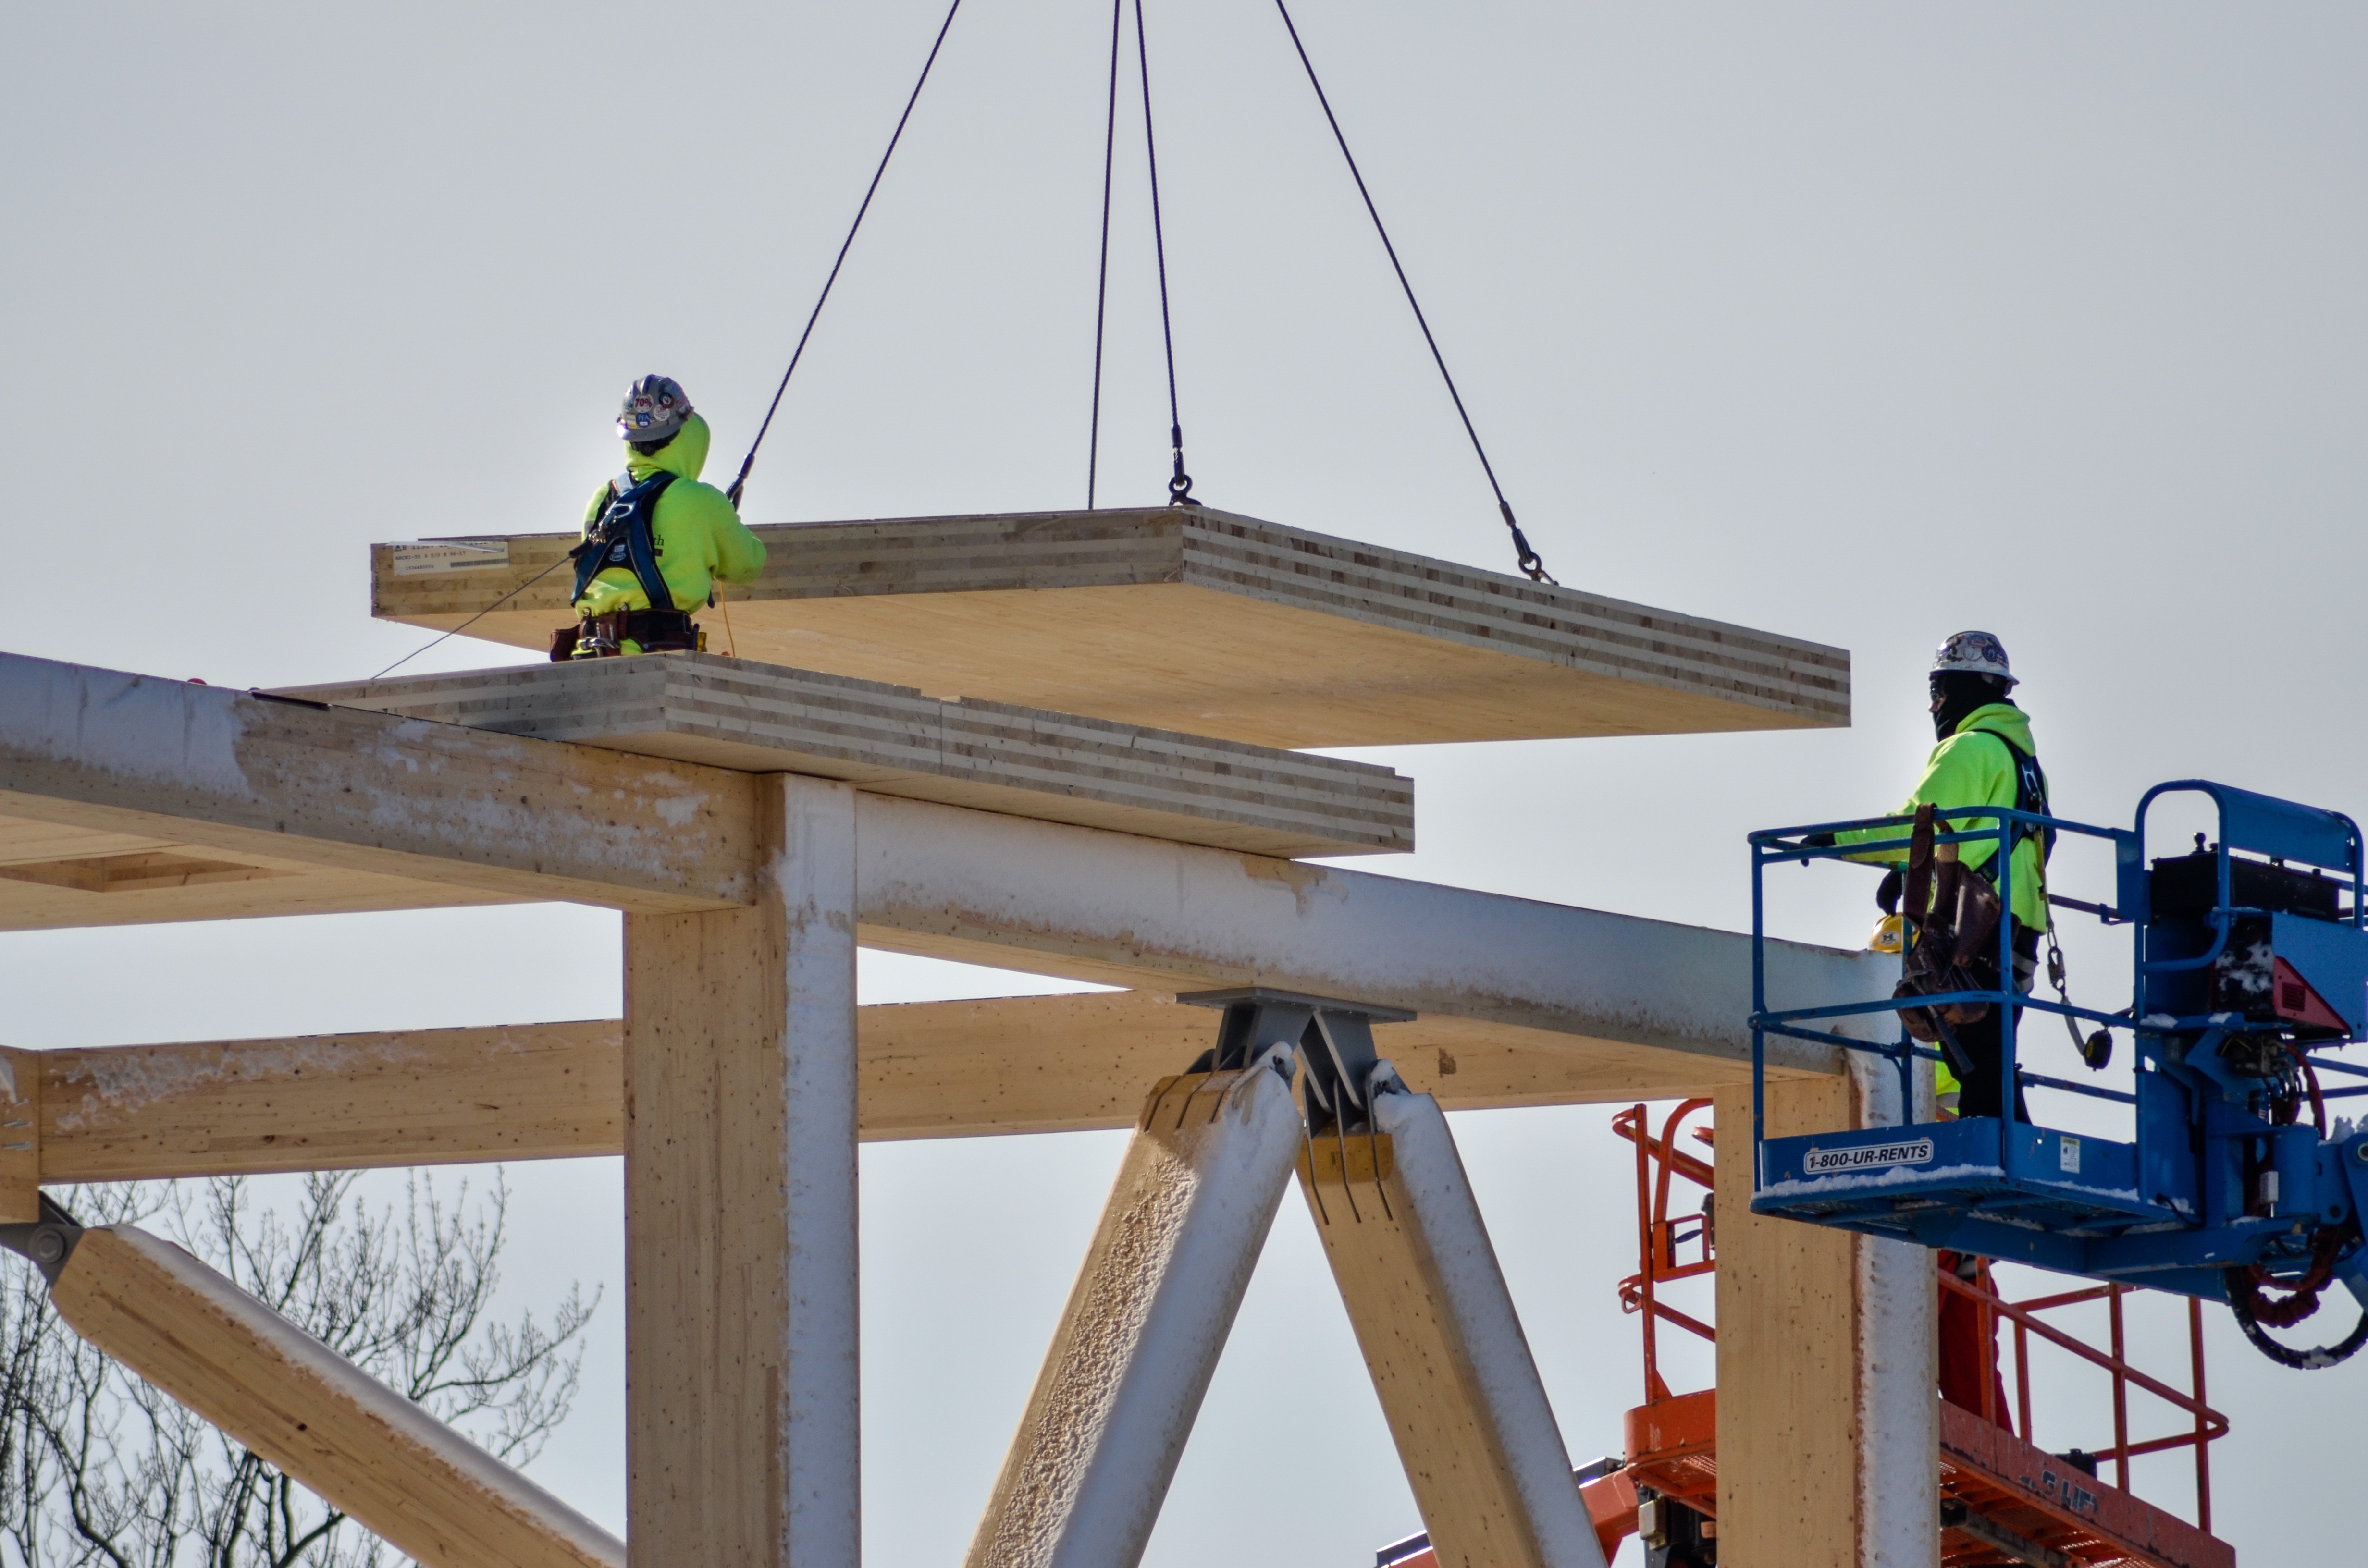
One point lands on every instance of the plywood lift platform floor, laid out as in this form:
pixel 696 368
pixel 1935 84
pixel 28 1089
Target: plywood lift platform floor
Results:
pixel 894 740
pixel 1189 620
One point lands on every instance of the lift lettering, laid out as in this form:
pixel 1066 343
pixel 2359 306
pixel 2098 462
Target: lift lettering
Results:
pixel 1867 1157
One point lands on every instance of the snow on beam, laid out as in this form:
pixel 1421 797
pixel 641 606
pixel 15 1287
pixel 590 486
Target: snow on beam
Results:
pixel 343 791
pixel 958 884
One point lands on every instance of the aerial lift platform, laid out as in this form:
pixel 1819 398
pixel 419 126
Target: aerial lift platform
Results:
pixel 2250 969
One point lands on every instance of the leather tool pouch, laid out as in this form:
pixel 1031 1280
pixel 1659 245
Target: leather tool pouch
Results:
pixel 603 636
pixel 1953 915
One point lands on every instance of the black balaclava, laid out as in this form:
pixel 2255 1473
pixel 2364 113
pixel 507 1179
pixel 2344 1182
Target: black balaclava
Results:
pixel 1955 695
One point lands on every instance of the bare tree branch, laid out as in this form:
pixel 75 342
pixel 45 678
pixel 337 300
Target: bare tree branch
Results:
pixel 98 1468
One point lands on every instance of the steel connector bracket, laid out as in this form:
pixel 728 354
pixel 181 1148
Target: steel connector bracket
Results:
pixel 49 1242
pixel 1334 1038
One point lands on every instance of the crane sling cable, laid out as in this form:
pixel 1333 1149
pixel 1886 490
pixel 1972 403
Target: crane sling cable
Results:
pixel 1180 484
pixel 1101 275
pixel 741 480
pixel 1530 563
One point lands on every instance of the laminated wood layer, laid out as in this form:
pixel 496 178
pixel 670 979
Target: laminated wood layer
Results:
pixel 1199 621
pixel 425 1489
pixel 553 1091
pixel 894 741
pixel 53 877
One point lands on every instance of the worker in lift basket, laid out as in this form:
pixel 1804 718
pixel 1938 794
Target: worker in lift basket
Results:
pixel 655 539
pixel 1985 757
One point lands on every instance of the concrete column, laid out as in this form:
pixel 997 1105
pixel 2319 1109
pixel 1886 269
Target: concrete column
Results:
pixel 740 1229
pixel 1438 1329
pixel 1085 1474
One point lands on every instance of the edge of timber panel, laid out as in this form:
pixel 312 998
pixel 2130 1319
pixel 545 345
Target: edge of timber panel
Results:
pixel 1198 620
pixel 892 740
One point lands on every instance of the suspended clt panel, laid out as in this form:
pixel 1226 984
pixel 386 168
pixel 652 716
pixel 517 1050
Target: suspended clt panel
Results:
pixel 1189 620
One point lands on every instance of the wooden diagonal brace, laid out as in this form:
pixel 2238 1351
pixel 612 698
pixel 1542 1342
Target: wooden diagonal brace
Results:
pixel 400 1473
pixel 1437 1326
pixel 1088 1470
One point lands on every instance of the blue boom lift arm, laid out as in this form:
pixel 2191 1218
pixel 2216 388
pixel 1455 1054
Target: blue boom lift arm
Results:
pixel 2251 963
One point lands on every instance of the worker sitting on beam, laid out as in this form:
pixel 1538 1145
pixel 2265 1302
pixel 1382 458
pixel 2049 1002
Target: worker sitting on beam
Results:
pixel 655 539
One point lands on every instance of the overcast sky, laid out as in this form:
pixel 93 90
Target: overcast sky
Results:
pixel 1863 324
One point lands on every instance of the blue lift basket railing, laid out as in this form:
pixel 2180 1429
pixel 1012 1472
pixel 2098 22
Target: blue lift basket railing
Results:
pixel 2251 967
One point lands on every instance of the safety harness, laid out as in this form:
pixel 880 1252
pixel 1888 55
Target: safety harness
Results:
pixel 622 538
pixel 2030 795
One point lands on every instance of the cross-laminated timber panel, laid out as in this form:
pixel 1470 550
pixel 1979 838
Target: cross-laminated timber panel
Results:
pixel 556 1090
pixel 894 740
pixel 1197 620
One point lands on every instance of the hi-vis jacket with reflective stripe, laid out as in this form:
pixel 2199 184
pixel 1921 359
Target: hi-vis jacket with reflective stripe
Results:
pixel 699 537
pixel 1975 766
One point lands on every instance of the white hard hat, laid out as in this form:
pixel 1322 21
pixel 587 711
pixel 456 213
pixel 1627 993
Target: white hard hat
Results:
pixel 654 409
pixel 1976 652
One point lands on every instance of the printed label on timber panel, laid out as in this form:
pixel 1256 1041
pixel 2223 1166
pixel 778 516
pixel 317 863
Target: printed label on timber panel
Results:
pixel 1872 1156
pixel 449 555
pixel 1203 623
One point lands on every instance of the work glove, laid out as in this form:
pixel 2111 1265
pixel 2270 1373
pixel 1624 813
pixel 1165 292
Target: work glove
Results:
pixel 1887 891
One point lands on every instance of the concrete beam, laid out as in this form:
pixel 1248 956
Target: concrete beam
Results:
pixel 1082 1484
pixel 423 1488
pixel 1150 915
pixel 343 790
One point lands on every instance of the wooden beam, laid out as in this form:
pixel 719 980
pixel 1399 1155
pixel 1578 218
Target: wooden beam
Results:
pixel 1828 1436
pixel 332 1102
pixel 896 740
pixel 1193 620
pixel 1456 1381
pixel 1149 916
pixel 20 1134
pixel 1149 1315
pixel 425 1489
pixel 740 1210
pixel 261 782
pixel 556 1091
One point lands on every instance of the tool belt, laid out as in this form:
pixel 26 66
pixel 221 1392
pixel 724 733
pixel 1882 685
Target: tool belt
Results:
pixel 605 636
pixel 1955 913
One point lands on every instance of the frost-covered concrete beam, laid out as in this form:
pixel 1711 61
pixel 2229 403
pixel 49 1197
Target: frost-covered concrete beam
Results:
pixel 345 790
pixel 1101 906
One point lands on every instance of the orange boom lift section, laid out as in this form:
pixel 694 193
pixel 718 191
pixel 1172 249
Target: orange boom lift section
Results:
pixel 2004 1500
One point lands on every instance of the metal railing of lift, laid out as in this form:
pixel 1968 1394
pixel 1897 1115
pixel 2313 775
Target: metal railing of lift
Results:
pixel 1778 846
pixel 2209 1424
pixel 1658 1237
